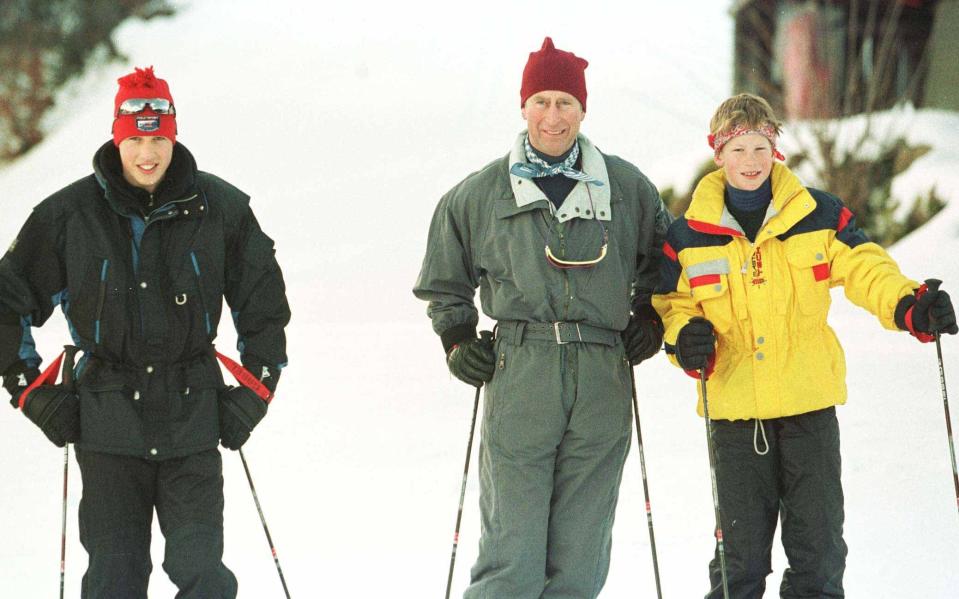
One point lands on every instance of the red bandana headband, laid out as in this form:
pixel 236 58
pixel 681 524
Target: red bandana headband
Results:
pixel 716 142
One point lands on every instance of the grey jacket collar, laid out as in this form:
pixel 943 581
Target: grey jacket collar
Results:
pixel 584 201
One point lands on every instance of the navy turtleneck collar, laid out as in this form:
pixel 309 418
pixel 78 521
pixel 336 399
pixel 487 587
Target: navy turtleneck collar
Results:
pixel 558 186
pixel 747 201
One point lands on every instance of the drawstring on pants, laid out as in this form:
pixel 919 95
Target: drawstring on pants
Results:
pixel 759 427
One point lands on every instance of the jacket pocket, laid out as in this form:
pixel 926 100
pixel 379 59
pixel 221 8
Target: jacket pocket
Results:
pixel 709 287
pixel 810 270
pixel 110 416
pixel 497 385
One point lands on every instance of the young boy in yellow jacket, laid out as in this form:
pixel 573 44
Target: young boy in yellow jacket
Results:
pixel 745 296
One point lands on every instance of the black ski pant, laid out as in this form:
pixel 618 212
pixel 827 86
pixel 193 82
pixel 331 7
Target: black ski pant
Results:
pixel 796 481
pixel 116 518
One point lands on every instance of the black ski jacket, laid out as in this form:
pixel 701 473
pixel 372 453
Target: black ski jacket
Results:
pixel 141 279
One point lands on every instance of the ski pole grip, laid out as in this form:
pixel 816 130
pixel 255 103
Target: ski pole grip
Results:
pixel 487 338
pixel 246 378
pixel 48 377
pixel 69 362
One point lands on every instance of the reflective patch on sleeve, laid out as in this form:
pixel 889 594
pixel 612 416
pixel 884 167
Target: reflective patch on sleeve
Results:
pixel 720 266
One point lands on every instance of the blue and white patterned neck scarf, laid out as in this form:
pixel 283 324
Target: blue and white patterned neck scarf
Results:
pixel 537 167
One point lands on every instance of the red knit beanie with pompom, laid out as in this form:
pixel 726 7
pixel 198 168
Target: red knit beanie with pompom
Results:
pixel 557 70
pixel 142 83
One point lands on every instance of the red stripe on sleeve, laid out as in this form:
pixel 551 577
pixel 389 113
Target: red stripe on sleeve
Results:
pixel 669 252
pixel 703 280
pixel 844 217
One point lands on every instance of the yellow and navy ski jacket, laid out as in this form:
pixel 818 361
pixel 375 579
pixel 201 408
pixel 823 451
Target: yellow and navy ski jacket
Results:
pixel 768 300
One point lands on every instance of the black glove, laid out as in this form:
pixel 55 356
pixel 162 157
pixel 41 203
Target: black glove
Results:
pixel 932 312
pixel 643 336
pixel 695 343
pixel 240 411
pixel 56 411
pixel 473 361
pixel 17 379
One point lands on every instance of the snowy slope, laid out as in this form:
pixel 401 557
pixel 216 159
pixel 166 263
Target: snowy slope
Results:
pixel 346 123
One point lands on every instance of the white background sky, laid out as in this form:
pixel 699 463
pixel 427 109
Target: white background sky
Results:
pixel 346 122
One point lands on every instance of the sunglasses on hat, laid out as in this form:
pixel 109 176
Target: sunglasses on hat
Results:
pixel 138 105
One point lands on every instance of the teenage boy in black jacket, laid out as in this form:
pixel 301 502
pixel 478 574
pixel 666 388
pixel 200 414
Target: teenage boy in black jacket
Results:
pixel 139 256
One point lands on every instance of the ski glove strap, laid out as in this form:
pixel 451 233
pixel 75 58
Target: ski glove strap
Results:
pixel 246 378
pixel 48 377
pixel 926 313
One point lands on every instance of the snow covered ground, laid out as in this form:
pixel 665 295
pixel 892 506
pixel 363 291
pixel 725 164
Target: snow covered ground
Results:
pixel 346 123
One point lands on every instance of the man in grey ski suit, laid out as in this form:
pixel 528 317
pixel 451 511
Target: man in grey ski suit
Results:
pixel 571 319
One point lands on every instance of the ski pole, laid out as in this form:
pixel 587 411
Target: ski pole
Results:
pixel 642 465
pixel 712 475
pixel 66 380
pixel 63 527
pixel 266 529
pixel 945 405
pixel 459 513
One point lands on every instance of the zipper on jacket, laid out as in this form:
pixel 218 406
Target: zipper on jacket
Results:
pixel 562 254
pixel 101 299
pixel 762 227
pixel 199 289
pixel 161 213
pixel 165 211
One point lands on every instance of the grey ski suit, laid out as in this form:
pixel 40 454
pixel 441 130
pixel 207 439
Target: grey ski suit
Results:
pixel 556 421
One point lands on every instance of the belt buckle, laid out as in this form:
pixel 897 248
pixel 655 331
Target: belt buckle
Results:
pixel 559 338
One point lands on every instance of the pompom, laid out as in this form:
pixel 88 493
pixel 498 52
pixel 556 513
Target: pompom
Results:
pixel 139 78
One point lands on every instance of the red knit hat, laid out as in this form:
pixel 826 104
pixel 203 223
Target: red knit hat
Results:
pixel 552 69
pixel 142 83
